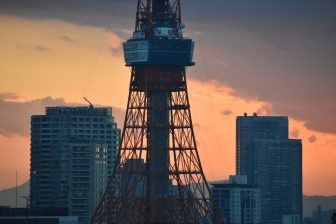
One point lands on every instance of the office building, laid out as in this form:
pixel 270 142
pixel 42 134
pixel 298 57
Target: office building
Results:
pixel 238 201
pixel 291 219
pixel 88 178
pixel 249 128
pixel 321 216
pixel 273 162
pixel 73 150
pixel 279 177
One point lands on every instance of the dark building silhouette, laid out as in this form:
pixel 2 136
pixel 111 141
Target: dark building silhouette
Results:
pixel 238 201
pixel 273 163
pixel 73 150
pixel 321 216
pixel 250 128
pixel 36 216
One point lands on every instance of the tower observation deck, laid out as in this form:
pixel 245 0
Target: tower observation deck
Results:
pixel 157 39
pixel 158 177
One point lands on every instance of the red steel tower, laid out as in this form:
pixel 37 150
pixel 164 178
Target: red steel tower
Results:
pixel 158 177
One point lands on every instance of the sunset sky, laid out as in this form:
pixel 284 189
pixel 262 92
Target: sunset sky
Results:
pixel 270 57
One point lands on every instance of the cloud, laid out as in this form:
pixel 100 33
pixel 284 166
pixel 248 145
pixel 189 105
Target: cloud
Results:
pixel 115 43
pixel 223 64
pixel 15 116
pixel 39 48
pixel 67 38
pixel 264 110
pixel 82 12
pixel 294 133
pixel 197 33
pixel 312 139
pixel 42 48
pixel 5 133
pixel 128 32
pixel 273 58
pixel 280 52
pixel 8 96
pixel 226 112
pixel 197 125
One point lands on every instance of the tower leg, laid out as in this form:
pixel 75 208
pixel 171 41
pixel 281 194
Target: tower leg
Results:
pixel 158 153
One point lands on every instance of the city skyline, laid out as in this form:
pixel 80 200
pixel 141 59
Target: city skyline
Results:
pixel 56 57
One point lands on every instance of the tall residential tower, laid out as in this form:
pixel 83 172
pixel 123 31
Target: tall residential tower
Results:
pixel 73 150
pixel 273 163
pixel 239 202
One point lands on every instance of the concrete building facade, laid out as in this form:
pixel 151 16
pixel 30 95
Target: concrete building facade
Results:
pixel 73 150
pixel 273 162
pixel 249 128
pixel 238 201
pixel 279 178
pixel 291 219
pixel 88 178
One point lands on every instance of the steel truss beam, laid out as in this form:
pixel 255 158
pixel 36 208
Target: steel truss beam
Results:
pixel 158 176
pixel 128 198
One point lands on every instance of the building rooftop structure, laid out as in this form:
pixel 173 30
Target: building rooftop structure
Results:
pixel 92 111
pixel 237 181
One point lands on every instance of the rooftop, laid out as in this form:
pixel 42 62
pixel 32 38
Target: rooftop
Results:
pixel 92 111
pixel 230 185
pixel 257 117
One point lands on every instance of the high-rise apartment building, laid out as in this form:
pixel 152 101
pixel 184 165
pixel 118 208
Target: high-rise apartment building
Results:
pixel 88 178
pixel 291 219
pixel 249 128
pixel 279 177
pixel 273 162
pixel 73 150
pixel 238 201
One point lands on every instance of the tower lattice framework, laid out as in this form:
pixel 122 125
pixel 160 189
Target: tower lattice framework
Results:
pixel 158 177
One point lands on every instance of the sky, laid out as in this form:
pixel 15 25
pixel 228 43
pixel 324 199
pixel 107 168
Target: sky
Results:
pixel 270 57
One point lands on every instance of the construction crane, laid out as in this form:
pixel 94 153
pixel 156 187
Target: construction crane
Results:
pixel 90 104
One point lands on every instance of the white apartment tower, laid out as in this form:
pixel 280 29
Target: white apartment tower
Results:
pixel 238 201
pixel 73 150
